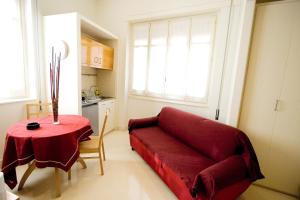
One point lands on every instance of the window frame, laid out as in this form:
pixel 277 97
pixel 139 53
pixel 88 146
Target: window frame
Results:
pixel 145 94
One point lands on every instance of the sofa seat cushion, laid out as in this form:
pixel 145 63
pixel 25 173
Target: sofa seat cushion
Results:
pixel 182 159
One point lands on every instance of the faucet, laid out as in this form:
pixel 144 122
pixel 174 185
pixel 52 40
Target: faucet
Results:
pixel 94 92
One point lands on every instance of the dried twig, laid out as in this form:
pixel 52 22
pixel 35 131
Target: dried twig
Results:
pixel 54 82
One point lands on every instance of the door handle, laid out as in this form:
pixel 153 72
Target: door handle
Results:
pixel 276 108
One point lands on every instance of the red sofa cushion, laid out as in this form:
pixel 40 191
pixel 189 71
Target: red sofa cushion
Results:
pixel 220 175
pixel 182 159
pixel 141 123
pixel 215 140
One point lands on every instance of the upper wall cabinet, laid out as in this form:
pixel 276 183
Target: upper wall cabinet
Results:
pixel 95 54
pixel 85 52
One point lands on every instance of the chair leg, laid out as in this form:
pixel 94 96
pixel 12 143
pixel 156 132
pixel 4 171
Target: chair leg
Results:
pixel 103 151
pixel 82 162
pixel 69 175
pixel 101 163
pixel 57 183
pixel 27 173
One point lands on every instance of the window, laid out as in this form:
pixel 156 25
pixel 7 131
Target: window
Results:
pixel 16 50
pixel 172 58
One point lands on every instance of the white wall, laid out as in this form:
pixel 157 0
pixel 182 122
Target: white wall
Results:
pixel 9 114
pixel 68 30
pixel 85 7
pixel 114 16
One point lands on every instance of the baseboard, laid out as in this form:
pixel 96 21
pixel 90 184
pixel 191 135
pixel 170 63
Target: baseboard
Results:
pixel 121 128
pixel 275 190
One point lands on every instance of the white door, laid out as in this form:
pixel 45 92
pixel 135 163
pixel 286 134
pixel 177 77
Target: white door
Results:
pixel 271 104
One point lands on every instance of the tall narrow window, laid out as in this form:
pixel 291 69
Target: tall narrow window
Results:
pixel 16 49
pixel 201 43
pixel 157 57
pixel 171 58
pixel 177 57
pixel 140 54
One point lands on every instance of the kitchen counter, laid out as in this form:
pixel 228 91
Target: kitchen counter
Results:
pixel 95 101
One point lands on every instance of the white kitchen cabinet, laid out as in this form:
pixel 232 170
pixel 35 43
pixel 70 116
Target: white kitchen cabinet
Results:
pixel 107 106
pixel 96 55
pixel 85 52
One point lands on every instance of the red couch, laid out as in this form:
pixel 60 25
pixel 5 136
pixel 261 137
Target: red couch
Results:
pixel 197 158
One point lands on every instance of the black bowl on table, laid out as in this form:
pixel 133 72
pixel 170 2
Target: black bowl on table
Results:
pixel 33 126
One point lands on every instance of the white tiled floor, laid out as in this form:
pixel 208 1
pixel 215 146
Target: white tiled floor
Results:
pixel 127 177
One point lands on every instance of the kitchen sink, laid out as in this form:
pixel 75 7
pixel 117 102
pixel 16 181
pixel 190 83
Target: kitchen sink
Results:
pixel 93 100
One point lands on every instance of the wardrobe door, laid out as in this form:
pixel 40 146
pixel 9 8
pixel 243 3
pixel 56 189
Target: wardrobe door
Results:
pixel 284 159
pixel 270 44
pixel 270 109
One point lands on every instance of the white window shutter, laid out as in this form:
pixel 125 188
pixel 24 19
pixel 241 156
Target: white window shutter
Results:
pixel 12 69
pixel 177 57
pixel 140 56
pixel 172 58
pixel 157 57
pixel 140 34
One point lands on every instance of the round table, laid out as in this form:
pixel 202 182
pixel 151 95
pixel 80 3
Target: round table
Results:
pixel 48 146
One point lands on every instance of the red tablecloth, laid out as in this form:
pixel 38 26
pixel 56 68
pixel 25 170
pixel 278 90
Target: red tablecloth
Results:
pixel 50 145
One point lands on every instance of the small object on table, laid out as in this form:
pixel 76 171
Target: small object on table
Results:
pixel 33 126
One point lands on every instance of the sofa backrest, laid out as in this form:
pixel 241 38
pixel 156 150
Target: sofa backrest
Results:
pixel 215 140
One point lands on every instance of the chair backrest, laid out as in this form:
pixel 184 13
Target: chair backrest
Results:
pixel 101 134
pixel 38 110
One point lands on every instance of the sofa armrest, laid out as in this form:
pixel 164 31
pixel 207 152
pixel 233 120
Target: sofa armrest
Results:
pixel 219 175
pixel 249 156
pixel 141 123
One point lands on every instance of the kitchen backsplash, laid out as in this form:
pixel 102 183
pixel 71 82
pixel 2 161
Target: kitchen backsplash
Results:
pixel 88 78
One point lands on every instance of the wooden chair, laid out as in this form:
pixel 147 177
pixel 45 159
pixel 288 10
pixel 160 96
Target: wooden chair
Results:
pixel 95 145
pixel 38 110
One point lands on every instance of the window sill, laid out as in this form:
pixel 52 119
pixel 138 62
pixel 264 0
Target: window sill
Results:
pixel 9 101
pixel 173 101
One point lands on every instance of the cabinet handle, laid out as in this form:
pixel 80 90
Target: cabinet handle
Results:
pixel 276 105
pixel 95 60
